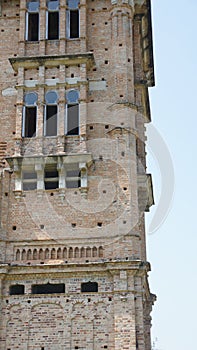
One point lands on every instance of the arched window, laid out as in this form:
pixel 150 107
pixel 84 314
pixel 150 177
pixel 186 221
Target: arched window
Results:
pixel 53 253
pixel 30 115
pixel 94 252
pixel 32 21
pixel 72 19
pixel 52 17
pixel 72 116
pixel 50 125
pixel 18 255
pixel 29 254
pixel 46 255
pixel 59 253
pixel 65 253
pixel 35 254
pixel 23 254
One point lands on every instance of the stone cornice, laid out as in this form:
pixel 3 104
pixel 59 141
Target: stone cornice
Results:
pixel 33 62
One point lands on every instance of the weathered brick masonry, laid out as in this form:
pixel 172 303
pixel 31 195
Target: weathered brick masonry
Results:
pixel 73 184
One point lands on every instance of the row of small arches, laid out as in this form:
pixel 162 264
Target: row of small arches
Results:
pixel 59 253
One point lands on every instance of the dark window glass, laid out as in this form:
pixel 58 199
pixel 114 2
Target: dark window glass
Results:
pixel 89 287
pixel 53 25
pixel 73 179
pixel 74 24
pixel 29 180
pixel 30 121
pixel 17 289
pixel 33 27
pixel 51 179
pixel 73 119
pixel 51 120
pixel 48 288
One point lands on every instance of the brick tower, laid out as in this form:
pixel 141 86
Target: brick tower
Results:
pixel 73 183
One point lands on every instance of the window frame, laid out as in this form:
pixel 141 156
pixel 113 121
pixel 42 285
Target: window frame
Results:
pixel 26 105
pixel 30 180
pixel 28 12
pixel 77 102
pixel 51 168
pixel 68 23
pixel 47 22
pixel 45 115
pixel 73 178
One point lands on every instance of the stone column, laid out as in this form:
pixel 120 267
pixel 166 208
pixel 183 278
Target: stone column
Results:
pixel 42 44
pixel 22 32
pixel 62 34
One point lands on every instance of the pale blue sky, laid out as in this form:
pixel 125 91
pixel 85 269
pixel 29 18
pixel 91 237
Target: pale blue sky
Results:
pixel 172 250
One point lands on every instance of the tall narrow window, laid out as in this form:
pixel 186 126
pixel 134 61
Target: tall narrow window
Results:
pixel 50 125
pixel 32 21
pixel 53 20
pixel 72 127
pixel 72 19
pixel 30 115
pixel 51 180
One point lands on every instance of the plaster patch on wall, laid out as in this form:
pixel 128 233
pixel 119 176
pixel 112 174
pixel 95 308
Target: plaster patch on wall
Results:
pixel 51 82
pixel 9 92
pixel 31 83
pixel 97 85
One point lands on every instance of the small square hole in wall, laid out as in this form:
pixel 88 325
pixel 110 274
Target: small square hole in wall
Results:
pixel 99 224
pixel 110 299
pixel 106 126
pixel 121 95
pixel 125 188
pixel 76 347
pixel 72 75
pixel 105 347
pixel 106 49
pixel 91 100
pixel 93 24
pixel 89 300
pixel 100 157
pixel 91 127
pixel 120 45
pixel 122 154
pixel 14 228
pixel 106 23
pixel 124 222
pixel 42 348
pixel 41 227
pixel 73 224
pixel 14 133
pixel 6 194
pixel 104 191
pixel 129 60
pixel 94 69
pixel 106 62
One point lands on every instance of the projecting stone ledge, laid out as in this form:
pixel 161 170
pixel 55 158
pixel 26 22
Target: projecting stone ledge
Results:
pixel 52 60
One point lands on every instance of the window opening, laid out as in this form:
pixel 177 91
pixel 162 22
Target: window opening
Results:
pixel 53 20
pixel 89 287
pixel 51 179
pixel 72 98
pixel 32 21
pixel 72 19
pixel 73 178
pixel 48 288
pixel 29 180
pixel 17 289
pixel 30 115
pixel 51 110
